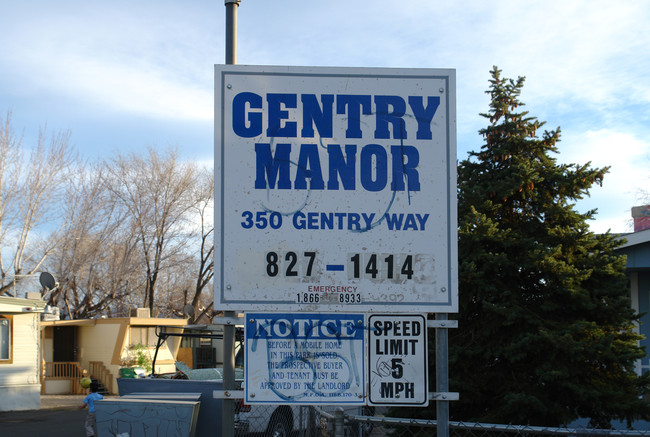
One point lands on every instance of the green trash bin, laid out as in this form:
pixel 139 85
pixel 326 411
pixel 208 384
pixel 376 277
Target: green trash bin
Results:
pixel 127 372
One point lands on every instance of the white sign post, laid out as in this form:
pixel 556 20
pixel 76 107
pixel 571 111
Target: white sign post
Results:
pixel 311 359
pixel 398 360
pixel 335 189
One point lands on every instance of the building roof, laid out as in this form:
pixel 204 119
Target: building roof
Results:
pixel 637 250
pixel 19 305
pixel 133 321
pixel 635 238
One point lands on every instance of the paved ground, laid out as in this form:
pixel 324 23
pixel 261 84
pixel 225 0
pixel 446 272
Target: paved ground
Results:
pixel 59 416
pixel 49 402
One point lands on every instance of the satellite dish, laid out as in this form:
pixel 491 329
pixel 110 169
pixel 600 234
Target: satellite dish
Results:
pixel 47 281
pixel 188 311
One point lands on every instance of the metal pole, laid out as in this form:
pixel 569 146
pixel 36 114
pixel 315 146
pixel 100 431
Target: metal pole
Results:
pixel 228 405
pixel 231 30
pixel 442 377
pixel 339 422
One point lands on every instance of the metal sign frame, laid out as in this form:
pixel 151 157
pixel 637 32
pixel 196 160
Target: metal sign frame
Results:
pixel 335 189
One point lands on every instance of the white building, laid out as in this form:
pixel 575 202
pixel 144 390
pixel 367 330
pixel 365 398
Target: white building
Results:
pixel 20 361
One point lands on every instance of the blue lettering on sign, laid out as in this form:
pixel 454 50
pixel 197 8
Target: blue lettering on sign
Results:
pixel 278 128
pixel 351 221
pixel 340 167
pixel 424 115
pixel 288 326
pixel 274 168
pixel 309 168
pixel 245 123
pixel 371 166
pixel 353 106
pixel 374 155
pixel 247 111
pixel 394 117
pixel 405 222
pixel 314 114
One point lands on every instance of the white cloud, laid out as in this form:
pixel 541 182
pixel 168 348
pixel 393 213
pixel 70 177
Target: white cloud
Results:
pixel 114 60
pixel 628 158
pixel 586 63
pixel 129 89
pixel 621 224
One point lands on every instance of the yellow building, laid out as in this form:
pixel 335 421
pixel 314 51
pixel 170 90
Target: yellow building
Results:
pixel 99 348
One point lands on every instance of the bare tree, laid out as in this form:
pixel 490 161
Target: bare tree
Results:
pixel 156 193
pixel 173 286
pixel 95 261
pixel 30 189
pixel 205 270
pixel 198 267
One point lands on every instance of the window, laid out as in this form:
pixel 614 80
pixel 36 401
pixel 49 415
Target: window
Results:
pixel 144 335
pixel 5 339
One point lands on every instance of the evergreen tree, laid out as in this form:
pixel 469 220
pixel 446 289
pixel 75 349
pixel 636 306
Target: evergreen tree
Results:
pixel 546 330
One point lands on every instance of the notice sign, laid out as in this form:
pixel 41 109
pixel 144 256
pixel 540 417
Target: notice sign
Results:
pixel 335 189
pixel 398 360
pixel 305 358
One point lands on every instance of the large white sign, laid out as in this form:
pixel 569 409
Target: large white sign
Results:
pixel 335 189
pixel 305 358
pixel 397 360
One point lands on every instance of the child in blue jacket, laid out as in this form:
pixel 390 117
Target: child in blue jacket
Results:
pixel 89 401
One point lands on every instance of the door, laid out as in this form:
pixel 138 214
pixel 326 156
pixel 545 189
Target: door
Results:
pixel 64 343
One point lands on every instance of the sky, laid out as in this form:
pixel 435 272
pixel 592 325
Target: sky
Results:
pixel 123 76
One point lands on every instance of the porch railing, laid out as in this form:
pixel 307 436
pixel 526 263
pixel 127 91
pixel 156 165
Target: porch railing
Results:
pixel 98 371
pixel 65 370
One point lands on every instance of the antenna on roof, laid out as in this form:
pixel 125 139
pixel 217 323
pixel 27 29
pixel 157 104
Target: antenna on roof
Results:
pixel 188 311
pixel 48 283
